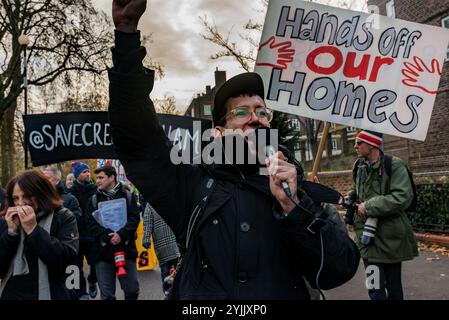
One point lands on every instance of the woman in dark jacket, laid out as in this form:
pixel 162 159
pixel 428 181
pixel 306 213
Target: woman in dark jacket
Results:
pixel 38 241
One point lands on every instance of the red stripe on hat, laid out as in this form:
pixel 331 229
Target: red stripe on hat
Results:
pixel 369 139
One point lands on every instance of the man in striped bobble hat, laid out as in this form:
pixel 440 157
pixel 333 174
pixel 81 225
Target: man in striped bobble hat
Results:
pixel 374 139
pixel 383 192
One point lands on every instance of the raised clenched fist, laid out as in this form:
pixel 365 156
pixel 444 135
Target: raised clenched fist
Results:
pixel 126 14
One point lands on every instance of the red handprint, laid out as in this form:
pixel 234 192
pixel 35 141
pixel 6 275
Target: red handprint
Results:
pixel 418 75
pixel 278 55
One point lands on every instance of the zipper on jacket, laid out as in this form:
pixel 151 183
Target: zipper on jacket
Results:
pixel 192 220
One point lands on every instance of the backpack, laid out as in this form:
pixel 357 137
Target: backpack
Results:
pixel 387 163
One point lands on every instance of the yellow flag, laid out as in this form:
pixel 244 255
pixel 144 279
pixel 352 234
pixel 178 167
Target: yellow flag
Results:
pixel 146 259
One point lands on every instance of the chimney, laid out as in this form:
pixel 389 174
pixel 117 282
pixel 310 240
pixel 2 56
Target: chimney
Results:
pixel 220 78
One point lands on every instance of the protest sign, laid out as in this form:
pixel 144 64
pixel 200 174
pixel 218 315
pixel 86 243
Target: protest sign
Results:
pixel 121 174
pixel 111 214
pixel 57 137
pixel 356 69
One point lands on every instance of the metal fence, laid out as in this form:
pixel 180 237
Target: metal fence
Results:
pixel 432 214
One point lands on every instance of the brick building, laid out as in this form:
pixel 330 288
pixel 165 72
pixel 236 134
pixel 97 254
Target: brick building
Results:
pixel 201 106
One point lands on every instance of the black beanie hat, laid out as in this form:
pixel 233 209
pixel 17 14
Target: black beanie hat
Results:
pixel 248 82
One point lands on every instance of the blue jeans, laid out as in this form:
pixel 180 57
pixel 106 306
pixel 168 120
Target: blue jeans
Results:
pixel 106 280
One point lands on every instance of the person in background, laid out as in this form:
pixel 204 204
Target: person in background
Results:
pixel 83 188
pixel 165 246
pixel 384 234
pixel 38 241
pixel 69 200
pixel 69 180
pixel 107 242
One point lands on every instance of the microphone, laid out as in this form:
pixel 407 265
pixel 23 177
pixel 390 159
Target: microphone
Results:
pixel 269 151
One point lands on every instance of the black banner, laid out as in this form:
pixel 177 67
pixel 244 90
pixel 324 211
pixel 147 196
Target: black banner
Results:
pixel 58 137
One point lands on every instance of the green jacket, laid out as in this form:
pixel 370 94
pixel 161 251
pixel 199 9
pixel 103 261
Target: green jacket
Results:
pixel 386 200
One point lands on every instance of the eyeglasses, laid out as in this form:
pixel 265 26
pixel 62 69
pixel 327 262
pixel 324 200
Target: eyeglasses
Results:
pixel 244 113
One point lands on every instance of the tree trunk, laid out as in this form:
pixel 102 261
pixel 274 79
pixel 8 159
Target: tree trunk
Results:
pixel 7 145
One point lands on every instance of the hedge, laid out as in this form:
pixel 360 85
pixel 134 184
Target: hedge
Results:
pixel 432 214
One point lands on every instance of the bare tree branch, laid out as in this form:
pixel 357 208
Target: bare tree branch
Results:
pixel 57 45
pixel 166 105
pixel 245 60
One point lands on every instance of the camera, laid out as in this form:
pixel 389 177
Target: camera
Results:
pixel 351 208
pixel 370 227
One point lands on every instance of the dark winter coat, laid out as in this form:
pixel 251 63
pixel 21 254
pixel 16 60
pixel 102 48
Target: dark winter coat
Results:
pixel 57 250
pixel 242 246
pixel 83 192
pixel 2 198
pixel 102 250
pixel 70 201
pixel 386 198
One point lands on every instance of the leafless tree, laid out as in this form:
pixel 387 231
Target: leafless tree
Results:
pixel 166 105
pixel 66 36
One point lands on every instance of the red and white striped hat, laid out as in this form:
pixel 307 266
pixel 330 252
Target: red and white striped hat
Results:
pixel 373 138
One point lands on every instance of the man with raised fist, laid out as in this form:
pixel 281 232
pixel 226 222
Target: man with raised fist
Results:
pixel 246 235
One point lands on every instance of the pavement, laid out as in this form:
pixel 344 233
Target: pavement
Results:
pixel 424 278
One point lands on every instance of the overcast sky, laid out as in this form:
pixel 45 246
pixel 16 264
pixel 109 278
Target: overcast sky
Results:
pixel 175 27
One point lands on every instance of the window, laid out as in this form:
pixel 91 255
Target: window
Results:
pixel 309 154
pixel 350 129
pixel 334 144
pixel 207 110
pixel 297 146
pixel 445 24
pixel 390 9
pixel 192 112
pixel 294 124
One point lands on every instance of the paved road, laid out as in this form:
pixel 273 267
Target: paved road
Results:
pixel 424 278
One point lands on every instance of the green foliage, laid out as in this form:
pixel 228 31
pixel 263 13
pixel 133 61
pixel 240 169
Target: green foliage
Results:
pixel 288 136
pixel 432 214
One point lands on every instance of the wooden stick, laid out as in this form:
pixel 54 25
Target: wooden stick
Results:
pixel 319 154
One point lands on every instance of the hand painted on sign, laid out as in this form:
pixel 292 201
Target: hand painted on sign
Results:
pixel 279 55
pixel 418 75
